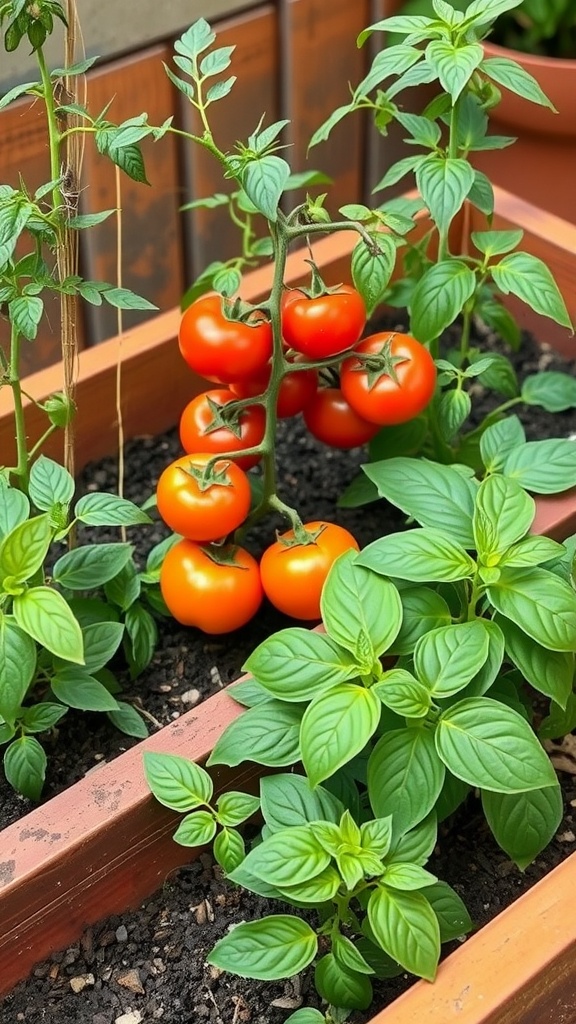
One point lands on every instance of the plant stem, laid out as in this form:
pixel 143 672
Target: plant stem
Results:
pixel 21 469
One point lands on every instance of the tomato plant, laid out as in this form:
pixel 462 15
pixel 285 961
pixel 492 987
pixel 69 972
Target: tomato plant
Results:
pixel 215 589
pixel 293 571
pixel 221 349
pixel 296 388
pixel 390 378
pixel 332 420
pixel 323 325
pixel 203 504
pixel 208 424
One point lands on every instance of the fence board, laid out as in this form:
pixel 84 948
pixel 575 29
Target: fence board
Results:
pixel 210 234
pixel 152 255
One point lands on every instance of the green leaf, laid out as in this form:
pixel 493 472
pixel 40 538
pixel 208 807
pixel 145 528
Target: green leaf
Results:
pixel 423 610
pixel 453 410
pixel 268 734
pixel 88 220
pixel 512 76
pixel 307 1015
pixel 141 637
pixel 335 727
pixel 559 723
pixel 248 692
pixel 551 390
pixel 524 823
pixel 416 844
pixel 439 296
pixel 532 551
pixel 453 917
pixel 196 829
pixel 196 39
pixel 177 782
pixel 447 659
pixel 275 947
pixel 340 986
pixel 295 664
pixel 323 132
pixel 407 928
pixel 444 183
pixel 545 467
pixel 488 745
pixel 78 689
pixel 289 800
pixel 50 484
pixel 498 440
pixel 527 277
pixel 264 181
pixel 541 603
pixel 402 693
pixel 503 515
pixel 229 850
pixel 42 717
pixel 485 677
pixel 289 857
pixel 44 615
pixel 88 567
pixel 101 641
pixel 372 270
pixel 455 63
pixel 549 672
pixel 17 667
pixel 97 509
pixel 25 766
pixel 22 552
pixel 348 955
pixel 127 719
pixel 233 808
pixel 405 776
pixel 407 877
pixel 495 243
pixel 18 90
pixel 125 587
pixel 361 611
pixel 424 490
pixel 216 61
pixel 418 555
pixel 25 313
pixel 14 509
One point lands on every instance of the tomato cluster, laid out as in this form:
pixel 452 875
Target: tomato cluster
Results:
pixel 207 580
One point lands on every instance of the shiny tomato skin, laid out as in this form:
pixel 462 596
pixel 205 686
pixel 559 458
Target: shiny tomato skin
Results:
pixel 202 515
pixel 293 577
pixel 332 420
pixel 219 349
pixel 296 389
pixel 197 418
pixel 213 597
pixel 388 403
pixel 325 325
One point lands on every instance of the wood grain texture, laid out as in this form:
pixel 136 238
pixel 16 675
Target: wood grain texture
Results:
pixel 321 59
pixel 152 257
pixel 210 235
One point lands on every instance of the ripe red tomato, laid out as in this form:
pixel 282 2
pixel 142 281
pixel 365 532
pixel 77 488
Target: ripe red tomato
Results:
pixel 216 597
pixel 296 389
pixel 293 577
pixel 381 399
pixel 198 513
pixel 325 325
pixel 201 430
pixel 333 421
pixel 219 349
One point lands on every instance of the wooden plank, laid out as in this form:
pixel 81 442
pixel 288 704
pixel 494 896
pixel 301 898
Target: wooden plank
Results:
pixel 210 234
pixel 321 58
pixel 151 226
pixel 24 153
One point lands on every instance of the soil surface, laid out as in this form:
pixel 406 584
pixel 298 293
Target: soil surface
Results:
pixel 150 965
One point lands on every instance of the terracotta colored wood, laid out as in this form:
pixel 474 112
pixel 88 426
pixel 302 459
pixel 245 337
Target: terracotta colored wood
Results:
pixel 24 153
pixel 152 258
pixel 312 41
pixel 98 846
pixel 210 234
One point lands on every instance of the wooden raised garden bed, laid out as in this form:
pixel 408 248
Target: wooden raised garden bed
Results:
pixel 104 844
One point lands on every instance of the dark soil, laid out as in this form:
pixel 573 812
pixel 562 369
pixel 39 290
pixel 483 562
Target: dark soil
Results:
pixel 149 965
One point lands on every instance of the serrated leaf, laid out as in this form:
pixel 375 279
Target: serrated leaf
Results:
pixel 264 181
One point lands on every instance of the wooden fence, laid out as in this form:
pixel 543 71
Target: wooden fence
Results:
pixel 293 59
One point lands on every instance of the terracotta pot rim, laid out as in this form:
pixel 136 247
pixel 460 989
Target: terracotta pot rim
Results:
pixel 531 60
